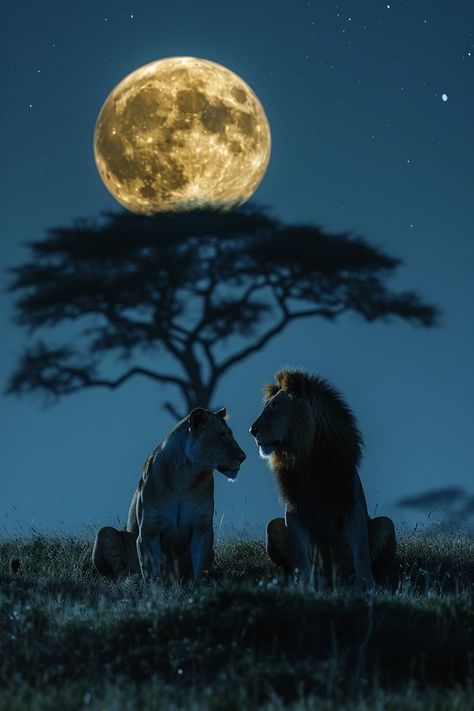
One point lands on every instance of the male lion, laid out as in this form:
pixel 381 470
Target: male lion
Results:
pixel 170 517
pixel 311 439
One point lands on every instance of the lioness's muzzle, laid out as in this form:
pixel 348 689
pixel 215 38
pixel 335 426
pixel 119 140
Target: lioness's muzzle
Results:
pixel 241 456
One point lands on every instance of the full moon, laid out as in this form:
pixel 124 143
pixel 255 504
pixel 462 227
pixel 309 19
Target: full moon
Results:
pixel 182 133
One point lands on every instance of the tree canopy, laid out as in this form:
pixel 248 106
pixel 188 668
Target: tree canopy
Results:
pixel 209 288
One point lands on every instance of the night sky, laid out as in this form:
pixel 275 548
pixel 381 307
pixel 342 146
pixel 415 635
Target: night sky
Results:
pixel 371 107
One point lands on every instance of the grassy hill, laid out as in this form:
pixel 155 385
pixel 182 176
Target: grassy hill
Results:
pixel 244 639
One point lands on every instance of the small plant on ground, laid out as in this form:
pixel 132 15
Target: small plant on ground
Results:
pixel 245 638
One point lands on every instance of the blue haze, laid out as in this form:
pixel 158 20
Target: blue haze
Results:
pixel 362 141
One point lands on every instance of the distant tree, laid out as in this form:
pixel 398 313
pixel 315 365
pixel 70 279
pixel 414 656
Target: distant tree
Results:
pixel 208 288
pixel 452 504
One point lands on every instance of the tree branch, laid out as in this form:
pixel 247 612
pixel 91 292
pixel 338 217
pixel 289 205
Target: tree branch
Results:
pixel 153 375
pixel 206 346
pixel 207 294
pixel 263 340
pixel 170 408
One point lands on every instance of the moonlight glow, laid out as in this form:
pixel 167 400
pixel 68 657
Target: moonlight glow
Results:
pixel 182 133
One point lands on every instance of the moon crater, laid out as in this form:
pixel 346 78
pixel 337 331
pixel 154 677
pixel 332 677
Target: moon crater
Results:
pixel 182 133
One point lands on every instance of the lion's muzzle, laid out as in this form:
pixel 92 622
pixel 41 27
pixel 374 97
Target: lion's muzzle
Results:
pixel 266 447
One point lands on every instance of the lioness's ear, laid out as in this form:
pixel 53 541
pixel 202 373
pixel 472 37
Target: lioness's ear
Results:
pixel 197 418
pixel 222 413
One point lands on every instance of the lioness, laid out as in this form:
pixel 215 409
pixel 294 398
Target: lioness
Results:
pixel 170 517
pixel 312 442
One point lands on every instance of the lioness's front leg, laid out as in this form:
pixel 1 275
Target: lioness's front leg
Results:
pixel 299 541
pixel 150 525
pixel 202 549
pixel 149 553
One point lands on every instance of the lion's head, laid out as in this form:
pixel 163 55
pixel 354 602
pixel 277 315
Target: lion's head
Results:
pixel 299 411
pixel 211 442
pixel 287 421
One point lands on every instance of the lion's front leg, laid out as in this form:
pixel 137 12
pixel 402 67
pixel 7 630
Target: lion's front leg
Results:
pixel 301 550
pixel 356 533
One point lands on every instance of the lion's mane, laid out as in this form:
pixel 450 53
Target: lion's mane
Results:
pixel 317 464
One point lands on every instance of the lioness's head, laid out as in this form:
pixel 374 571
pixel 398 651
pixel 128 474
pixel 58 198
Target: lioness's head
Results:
pixel 212 443
pixel 286 423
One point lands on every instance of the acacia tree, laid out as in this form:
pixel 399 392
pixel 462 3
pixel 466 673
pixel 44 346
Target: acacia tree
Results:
pixel 209 288
pixel 452 504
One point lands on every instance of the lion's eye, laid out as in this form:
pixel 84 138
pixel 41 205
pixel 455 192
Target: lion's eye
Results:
pixel 223 435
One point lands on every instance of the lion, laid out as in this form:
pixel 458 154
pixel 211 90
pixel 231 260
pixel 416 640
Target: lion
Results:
pixel 312 442
pixel 169 528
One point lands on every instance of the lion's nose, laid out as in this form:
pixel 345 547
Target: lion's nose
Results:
pixel 241 456
pixel 253 430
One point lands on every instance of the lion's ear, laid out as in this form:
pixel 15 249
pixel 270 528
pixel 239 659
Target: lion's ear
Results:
pixel 269 390
pixel 292 380
pixel 221 413
pixel 197 418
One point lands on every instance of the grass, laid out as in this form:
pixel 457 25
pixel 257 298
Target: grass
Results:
pixel 244 639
